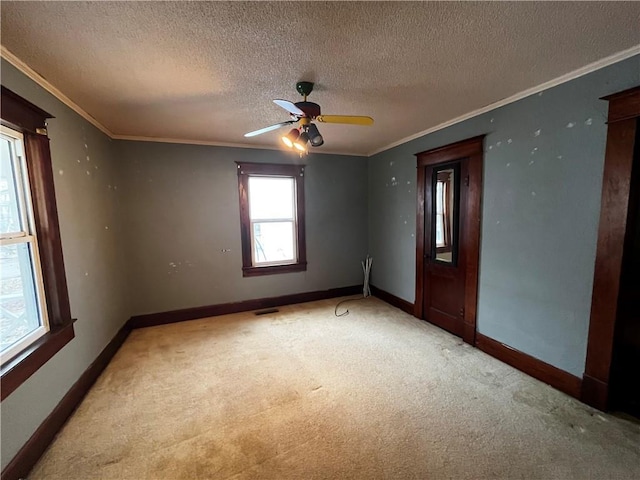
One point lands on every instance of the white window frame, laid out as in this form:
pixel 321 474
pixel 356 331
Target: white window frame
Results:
pixel 293 220
pixel 27 235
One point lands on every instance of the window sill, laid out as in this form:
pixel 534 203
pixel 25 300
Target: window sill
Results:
pixel 273 269
pixel 17 370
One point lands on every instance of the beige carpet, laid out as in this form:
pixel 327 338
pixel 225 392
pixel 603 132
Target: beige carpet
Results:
pixel 301 394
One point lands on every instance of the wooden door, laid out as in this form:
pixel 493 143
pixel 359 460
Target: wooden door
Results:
pixel 448 236
pixel 445 255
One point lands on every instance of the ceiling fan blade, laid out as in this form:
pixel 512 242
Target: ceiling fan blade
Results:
pixel 269 128
pixel 347 119
pixel 289 107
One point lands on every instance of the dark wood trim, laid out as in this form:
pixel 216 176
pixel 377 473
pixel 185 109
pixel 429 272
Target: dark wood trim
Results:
pixel 448 153
pixel 27 362
pixel 269 169
pixel 623 105
pixel 594 392
pixel 162 318
pixel 557 378
pixel 613 219
pixel 624 110
pixel 45 212
pixel 418 305
pixel 30 120
pixel 473 150
pixel 20 114
pixel 471 242
pixel 29 454
pixel 271 269
pixel 391 299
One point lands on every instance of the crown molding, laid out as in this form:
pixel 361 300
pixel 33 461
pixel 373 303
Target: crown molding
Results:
pixel 44 83
pixel 592 67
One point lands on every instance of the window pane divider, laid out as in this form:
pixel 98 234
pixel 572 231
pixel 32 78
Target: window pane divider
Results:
pixel 273 220
pixel 5 237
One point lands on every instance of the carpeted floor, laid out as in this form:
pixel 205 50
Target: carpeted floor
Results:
pixel 301 394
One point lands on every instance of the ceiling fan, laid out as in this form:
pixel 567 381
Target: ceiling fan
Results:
pixel 304 113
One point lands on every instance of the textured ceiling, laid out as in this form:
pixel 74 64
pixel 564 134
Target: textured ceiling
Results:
pixel 207 71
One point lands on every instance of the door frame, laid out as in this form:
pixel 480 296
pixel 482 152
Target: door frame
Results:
pixel 624 111
pixel 471 149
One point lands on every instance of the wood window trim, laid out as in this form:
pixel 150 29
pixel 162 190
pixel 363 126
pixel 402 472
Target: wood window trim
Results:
pixel 623 119
pixel 21 115
pixel 472 149
pixel 245 170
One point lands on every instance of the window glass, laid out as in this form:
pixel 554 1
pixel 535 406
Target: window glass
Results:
pixel 273 242
pixel 271 198
pixel 439 216
pixel 271 212
pixel 444 214
pixel 19 312
pixel 10 221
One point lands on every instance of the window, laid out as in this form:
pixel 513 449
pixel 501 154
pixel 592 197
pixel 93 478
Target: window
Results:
pixel 35 316
pixel 23 315
pixel 445 214
pixel 272 218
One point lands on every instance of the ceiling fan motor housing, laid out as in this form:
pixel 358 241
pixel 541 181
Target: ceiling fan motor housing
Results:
pixel 310 109
pixel 304 88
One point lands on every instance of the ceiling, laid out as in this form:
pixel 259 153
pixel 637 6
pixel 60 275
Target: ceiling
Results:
pixel 208 71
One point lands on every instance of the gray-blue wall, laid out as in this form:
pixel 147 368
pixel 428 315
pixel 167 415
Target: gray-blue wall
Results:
pixel 183 224
pixel 543 164
pixel 89 206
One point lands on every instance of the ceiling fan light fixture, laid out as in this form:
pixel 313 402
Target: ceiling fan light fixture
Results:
pixel 315 139
pixel 301 143
pixel 290 137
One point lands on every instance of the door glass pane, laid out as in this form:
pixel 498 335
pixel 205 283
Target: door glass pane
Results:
pixel 444 214
pixel 273 242
pixel 10 221
pixel 19 314
pixel 271 198
pixel 440 242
